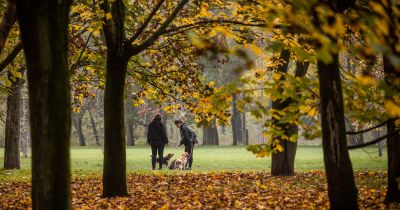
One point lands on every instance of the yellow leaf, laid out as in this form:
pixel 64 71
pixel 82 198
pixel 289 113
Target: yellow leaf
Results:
pixel 279 148
pixel 276 76
pixel 367 80
pixel 108 16
pixel 392 109
pixel 255 49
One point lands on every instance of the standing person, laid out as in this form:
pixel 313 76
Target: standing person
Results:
pixel 157 139
pixel 187 139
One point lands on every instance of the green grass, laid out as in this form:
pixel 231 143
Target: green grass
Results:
pixel 88 161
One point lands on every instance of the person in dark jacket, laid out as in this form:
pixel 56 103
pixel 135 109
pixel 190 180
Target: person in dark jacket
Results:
pixel 187 139
pixel 157 139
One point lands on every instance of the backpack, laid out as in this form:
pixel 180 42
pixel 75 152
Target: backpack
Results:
pixel 194 137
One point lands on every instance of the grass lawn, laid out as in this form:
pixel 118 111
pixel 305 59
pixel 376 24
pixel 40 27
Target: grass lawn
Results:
pixel 88 160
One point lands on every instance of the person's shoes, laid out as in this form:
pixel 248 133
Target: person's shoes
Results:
pixel 188 168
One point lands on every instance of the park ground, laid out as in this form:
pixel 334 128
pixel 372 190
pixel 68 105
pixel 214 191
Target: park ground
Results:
pixel 222 177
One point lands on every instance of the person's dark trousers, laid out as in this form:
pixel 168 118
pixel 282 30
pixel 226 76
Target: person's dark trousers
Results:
pixel 154 150
pixel 189 149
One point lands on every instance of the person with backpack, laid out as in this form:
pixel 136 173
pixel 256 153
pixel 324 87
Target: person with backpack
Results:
pixel 157 139
pixel 188 138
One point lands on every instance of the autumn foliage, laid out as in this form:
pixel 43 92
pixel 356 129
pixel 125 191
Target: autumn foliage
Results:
pixel 222 190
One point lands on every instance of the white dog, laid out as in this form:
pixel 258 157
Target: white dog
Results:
pixel 180 163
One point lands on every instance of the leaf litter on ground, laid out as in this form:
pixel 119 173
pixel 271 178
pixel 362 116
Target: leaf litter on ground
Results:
pixel 212 190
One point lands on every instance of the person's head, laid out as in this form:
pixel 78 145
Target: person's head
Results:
pixel 178 123
pixel 157 116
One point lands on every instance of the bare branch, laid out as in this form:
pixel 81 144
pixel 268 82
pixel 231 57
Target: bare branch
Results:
pixel 368 129
pixel 73 66
pixel 160 31
pixel 146 22
pixel 220 21
pixel 11 56
pixel 372 142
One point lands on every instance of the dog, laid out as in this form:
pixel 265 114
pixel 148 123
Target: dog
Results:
pixel 166 159
pixel 180 163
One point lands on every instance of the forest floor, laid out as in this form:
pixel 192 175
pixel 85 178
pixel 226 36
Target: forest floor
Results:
pixel 222 177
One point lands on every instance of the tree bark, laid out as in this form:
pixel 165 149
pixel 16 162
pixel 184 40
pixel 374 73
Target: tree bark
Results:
pixel 24 130
pixel 210 134
pixel 393 141
pixel 282 163
pixel 95 132
pixel 245 130
pixel 13 124
pixel 342 191
pixel 77 121
pixel 44 32
pixel 114 169
pixel 236 121
pixel 130 133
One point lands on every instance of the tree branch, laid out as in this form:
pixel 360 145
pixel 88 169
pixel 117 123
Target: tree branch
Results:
pixel 146 22
pixel 108 26
pixel 8 21
pixel 73 66
pixel 366 130
pixel 371 142
pixel 161 30
pixel 205 22
pixel 11 56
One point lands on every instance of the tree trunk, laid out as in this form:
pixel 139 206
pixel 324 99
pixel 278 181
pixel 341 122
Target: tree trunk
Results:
pixel 130 133
pixel 77 121
pixel 245 130
pixel 114 169
pixel 24 130
pixel 210 134
pixel 95 132
pixel 13 125
pixel 282 163
pixel 351 139
pixel 393 152
pixel 342 191
pixel 236 121
pixel 44 32
pixel 393 141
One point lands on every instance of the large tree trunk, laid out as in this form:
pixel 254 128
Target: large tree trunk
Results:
pixel 114 166
pixel 393 141
pixel 44 32
pixel 114 169
pixel 342 191
pixel 236 121
pixel 13 125
pixel 210 134
pixel 282 163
